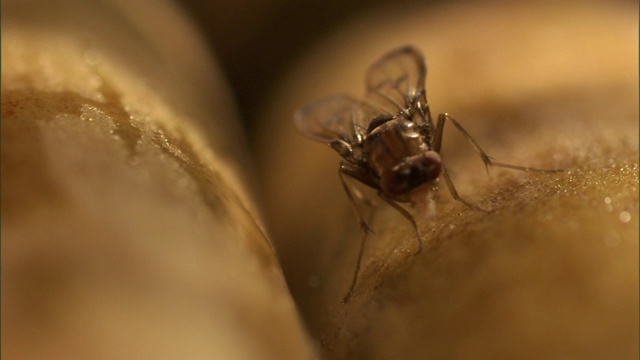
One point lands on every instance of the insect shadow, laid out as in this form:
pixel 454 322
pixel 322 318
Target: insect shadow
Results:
pixel 389 140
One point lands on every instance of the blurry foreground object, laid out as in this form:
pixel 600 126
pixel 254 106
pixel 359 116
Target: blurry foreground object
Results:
pixel 128 231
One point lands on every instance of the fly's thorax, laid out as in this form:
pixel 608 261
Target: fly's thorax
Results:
pixel 390 143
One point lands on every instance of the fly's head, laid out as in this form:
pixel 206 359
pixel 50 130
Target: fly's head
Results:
pixel 411 173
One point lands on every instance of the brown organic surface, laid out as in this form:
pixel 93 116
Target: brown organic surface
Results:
pixel 128 230
pixel 553 271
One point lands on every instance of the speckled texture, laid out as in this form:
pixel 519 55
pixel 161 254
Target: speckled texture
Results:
pixel 553 271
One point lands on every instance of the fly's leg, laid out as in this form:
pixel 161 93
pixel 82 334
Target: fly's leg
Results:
pixel 349 170
pixel 408 216
pixel 357 271
pixel 404 213
pixel 437 144
pixel 454 192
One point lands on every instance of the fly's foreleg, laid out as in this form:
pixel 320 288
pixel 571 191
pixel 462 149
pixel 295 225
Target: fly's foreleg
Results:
pixel 354 172
pixel 407 216
pixel 454 192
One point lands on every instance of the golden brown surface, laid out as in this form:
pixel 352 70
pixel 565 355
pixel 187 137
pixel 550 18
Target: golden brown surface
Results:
pixel 553 272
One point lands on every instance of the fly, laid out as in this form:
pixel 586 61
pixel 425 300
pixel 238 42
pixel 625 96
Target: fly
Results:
pixel 389 141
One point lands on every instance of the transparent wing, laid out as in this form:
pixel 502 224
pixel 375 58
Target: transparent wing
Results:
pixel 396 81
pixel 337 117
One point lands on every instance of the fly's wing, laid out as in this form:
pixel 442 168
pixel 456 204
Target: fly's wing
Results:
pixel 335 118
pixel 396 81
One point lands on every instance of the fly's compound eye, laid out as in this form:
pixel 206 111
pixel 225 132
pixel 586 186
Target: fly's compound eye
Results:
pixel 412 172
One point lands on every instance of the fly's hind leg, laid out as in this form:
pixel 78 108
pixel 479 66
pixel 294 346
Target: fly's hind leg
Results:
pixel 454 192
pixel 437 144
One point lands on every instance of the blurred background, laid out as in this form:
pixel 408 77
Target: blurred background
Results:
pixel 257 41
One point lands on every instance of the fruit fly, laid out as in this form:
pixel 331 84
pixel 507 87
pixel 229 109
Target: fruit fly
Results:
pixel 389 141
